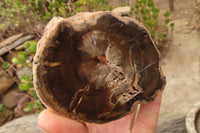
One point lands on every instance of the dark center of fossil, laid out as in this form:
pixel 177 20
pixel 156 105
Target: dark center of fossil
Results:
pixel 105 63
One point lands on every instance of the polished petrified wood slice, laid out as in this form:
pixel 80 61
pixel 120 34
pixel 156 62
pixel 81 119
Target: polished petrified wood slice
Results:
pixel 95 67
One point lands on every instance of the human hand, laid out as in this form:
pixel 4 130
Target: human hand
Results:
pixel 145 122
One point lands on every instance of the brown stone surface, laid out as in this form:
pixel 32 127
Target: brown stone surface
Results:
pixel 5 83
pixel 95 67
pixel 5 115
pixel 11 98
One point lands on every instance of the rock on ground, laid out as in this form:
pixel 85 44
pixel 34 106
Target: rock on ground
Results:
pixel 5 83
pixel 11 98
pixel 26 124
pixel 192 120
pixel 122 11
pixel 172 124
pixel 6 115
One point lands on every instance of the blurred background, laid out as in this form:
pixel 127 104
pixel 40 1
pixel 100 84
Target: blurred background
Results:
pixel 173 24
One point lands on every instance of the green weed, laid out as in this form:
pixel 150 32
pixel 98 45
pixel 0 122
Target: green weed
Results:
pixel 1 108
pixel 146 12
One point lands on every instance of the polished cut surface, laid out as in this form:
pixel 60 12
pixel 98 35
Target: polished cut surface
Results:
pixel 96 67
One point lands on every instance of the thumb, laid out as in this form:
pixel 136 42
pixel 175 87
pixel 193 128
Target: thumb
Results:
pixel 51 122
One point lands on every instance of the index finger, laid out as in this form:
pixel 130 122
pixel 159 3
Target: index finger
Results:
pixel 147 117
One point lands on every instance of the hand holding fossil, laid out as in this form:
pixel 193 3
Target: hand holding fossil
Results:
pixel 145 123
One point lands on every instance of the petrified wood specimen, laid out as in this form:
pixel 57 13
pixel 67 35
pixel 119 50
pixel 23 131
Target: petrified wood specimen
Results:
pixel 96 67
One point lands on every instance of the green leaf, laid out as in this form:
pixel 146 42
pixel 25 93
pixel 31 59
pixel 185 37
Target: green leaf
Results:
pixel 160 36
pixel 155 15
pixel 34 94
pixel 164 35
pixel 26 83
pixel 25 79
pixel 144 17
pixel 25 87
pixel 17 3
pixel 136 12
pixel 143 11
pixel 138 5
pixel 154 9
pixel 167 21
pixel 26 45
pixel 1 107
pixel 5 65
pixel 150 3
pixel 20 59
pixel 31 46
pixel 2 25
pixel 172 24
pixel 132 8
pixel 22 56
pixel 69 14
pixel 139 1
pixel 150 23
pixel 29 107
pixel 79 9
pixel 37 104
pixel 78 3
pixel 153 33
pixel 166 14
pixel 144 2
pixel 15 60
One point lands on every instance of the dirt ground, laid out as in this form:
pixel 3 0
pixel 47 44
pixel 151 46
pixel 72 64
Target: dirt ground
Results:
pixel 181 66
pixel 183 8
pixel 181 63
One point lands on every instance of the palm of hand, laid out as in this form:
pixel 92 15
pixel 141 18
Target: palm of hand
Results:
pixel 145 122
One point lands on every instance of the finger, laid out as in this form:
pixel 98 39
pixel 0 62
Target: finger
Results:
pixel 53 123
pixel 122 125
pixel 147 118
